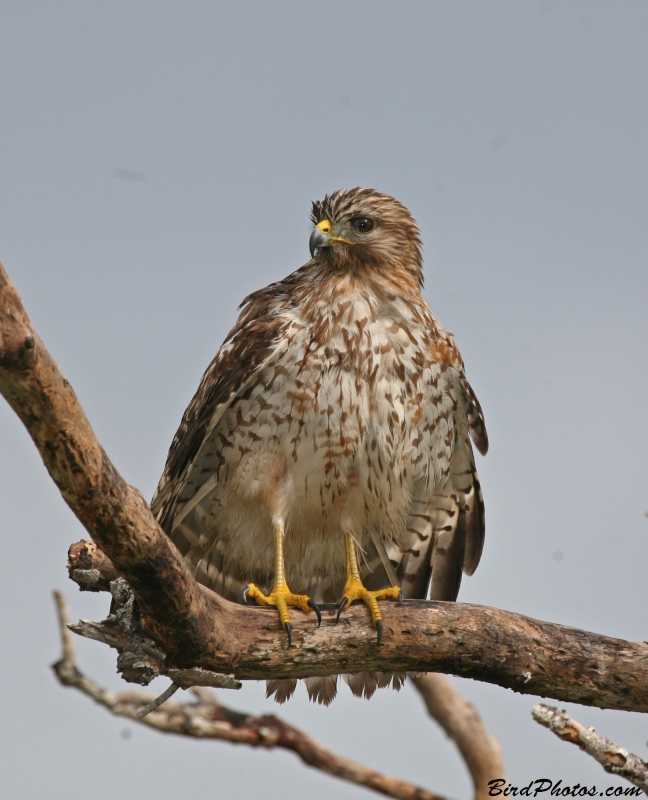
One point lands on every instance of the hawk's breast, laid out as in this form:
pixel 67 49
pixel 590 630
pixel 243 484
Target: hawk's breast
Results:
pixel 338 432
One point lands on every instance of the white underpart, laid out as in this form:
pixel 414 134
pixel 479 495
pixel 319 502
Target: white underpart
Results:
pixel 328 453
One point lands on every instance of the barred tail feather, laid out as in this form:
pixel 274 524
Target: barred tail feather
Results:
pixel 322 690
pixel 281 689
pixel 364 684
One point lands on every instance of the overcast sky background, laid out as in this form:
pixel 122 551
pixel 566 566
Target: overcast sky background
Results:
pixel 157 163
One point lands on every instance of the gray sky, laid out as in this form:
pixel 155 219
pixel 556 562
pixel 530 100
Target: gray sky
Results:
pixel 157 163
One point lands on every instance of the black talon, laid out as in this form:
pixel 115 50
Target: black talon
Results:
pixel 343 604
pixel 246 592
pixel 400 598
pixel 289 632
pixel 379 629
pixel 312 604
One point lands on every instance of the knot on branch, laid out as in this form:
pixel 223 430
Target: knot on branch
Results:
pixel 17 339
pixel 18 354
pixel 90 568
pixel 66 672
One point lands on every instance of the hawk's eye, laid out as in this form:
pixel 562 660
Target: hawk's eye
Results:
pixel 362 224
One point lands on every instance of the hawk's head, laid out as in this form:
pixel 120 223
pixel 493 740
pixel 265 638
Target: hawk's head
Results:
pixel 365 226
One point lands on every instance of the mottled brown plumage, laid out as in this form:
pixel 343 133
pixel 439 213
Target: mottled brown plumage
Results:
pixel 337 405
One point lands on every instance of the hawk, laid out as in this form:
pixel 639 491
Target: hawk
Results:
pixel 326 455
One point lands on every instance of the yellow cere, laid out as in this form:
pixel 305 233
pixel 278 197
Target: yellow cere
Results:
pixel 326 227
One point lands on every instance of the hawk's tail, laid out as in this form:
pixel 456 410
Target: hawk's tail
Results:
pixel 324 690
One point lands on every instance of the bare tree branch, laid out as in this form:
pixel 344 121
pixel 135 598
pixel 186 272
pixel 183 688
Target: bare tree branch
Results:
pixel 471 641
pixel 192 627
pixel 114 513
pixel 208 719
pixel 614 759
pixel 461 721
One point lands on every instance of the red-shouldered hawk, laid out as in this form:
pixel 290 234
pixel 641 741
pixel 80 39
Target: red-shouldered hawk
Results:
pixel 327 447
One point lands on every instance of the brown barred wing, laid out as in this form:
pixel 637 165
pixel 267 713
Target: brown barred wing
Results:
pixel 255 340
pixel 445 533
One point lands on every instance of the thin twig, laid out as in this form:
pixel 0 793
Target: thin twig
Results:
pixel 67 640
pixel 166 694
pixel 206 718
pixel 461 721
pixel 614 759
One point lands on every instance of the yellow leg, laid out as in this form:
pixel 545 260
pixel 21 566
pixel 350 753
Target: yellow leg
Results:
pixel 281 597
pixel 355 590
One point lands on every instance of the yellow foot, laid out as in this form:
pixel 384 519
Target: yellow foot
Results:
pixel 354 590
pixel 281 597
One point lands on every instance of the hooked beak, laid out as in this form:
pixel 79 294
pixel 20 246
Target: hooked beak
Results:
pixel 318 239
pixel 322 237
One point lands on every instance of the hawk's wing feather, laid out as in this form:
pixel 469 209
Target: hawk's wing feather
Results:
pixel 257 338
pixel 475 415
pixel 445 533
